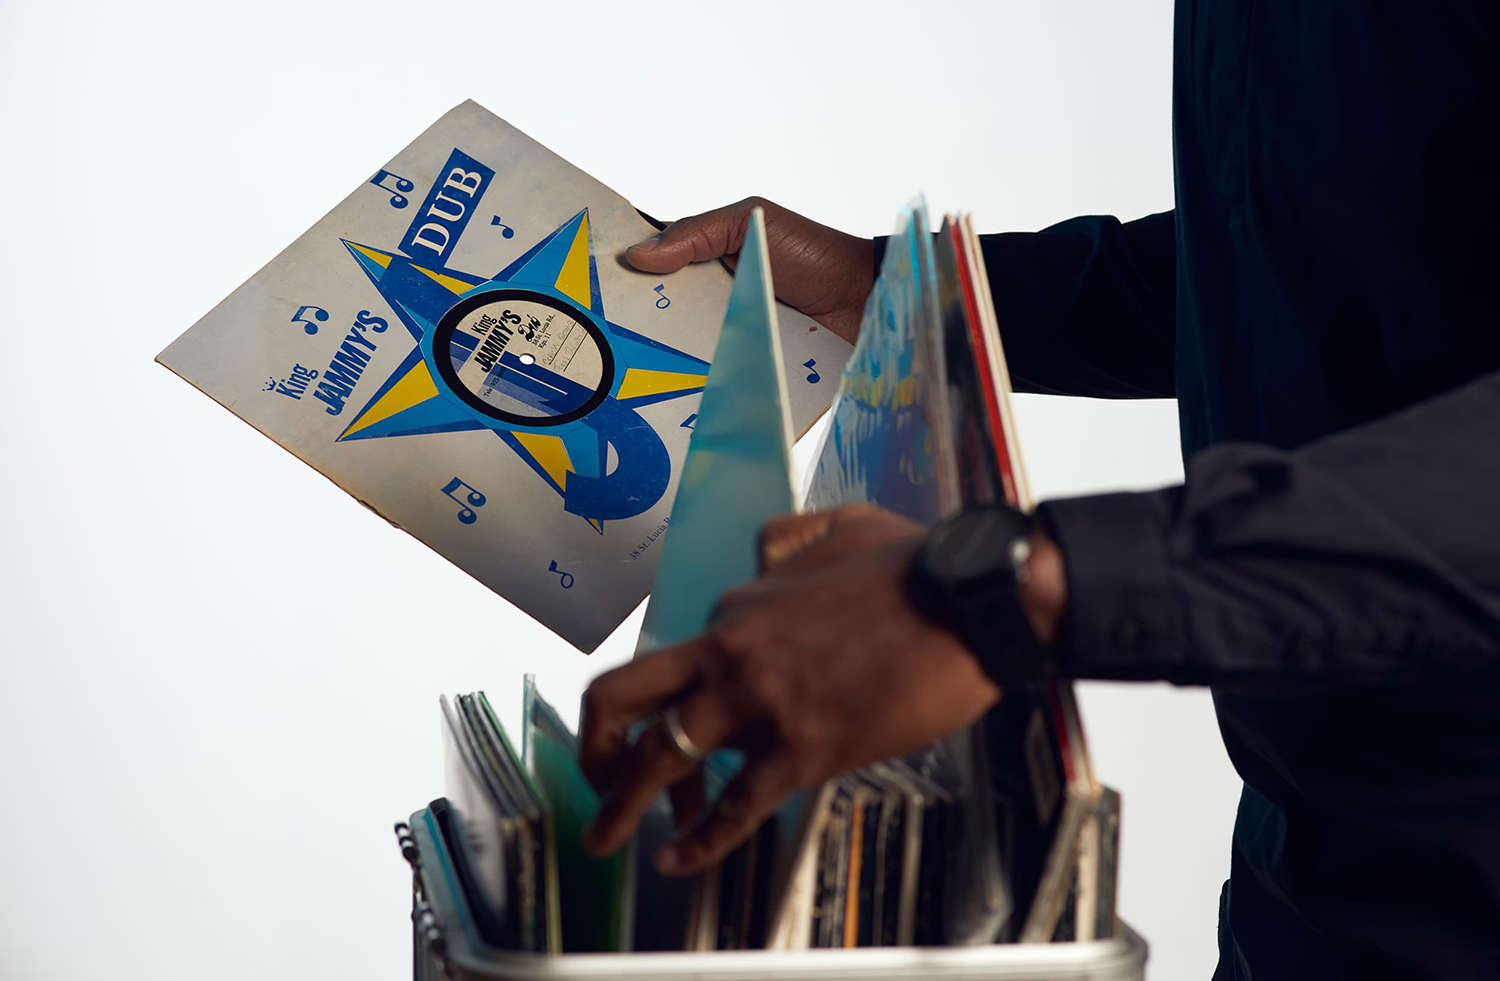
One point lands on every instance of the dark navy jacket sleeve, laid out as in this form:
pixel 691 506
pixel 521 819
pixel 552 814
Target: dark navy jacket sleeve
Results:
pixel 1331 564
pixel 1086 307
pixel 1365 556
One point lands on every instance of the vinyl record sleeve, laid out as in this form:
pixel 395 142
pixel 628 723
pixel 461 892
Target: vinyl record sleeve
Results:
pixel 859 797
pixel 880 446
pixel 881 875
pixel 913 797
pixel 594 894
pixel 524 874
pixel 1106 886
pixel 486 835
pixel 830 897
pixel 795 871
pixel 1044 780
pixel 538 814
pixel 737 474
pixel 460 346
pixel 969 442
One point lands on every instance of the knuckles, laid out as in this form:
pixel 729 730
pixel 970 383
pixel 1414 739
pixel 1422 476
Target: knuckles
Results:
pixel 806 771
pixel 601 695
pixel 734 600
pixel 865 521
pixel 803 732
pixel 733 812
pixel 732 650
pixel 748 661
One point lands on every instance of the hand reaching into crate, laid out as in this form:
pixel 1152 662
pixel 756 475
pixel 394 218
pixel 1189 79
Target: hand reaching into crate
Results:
pixel 819 666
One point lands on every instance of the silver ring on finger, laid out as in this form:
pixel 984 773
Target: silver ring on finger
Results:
pixel 672 722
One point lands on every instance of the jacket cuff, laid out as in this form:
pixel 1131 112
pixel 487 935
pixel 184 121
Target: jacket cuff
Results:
pixel 1123 619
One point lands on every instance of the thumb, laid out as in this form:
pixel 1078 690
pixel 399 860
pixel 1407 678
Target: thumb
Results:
pixel 711 235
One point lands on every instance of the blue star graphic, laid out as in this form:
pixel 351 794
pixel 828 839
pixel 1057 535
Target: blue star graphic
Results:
pixel 561 408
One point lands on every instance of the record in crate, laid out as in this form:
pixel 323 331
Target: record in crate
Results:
pixel 459 345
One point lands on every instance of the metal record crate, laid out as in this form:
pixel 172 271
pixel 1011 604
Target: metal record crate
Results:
pixel 446 947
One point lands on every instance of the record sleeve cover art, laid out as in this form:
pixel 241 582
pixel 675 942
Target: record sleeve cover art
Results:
pixel 737 474
pixel 879 446
pixel 459 345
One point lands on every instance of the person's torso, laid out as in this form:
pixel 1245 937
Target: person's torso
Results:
pixel 1338 196
pixel 1338 185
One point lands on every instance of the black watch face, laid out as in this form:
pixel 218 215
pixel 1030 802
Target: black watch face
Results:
pixel 977 544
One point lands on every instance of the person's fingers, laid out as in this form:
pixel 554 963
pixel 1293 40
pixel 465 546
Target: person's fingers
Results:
pixel 783 537
pixel 790 545
pixel 711 235
pixel 795 543
pixel 689 797
pixel 750 798
pixel 655 763
pixel 617 699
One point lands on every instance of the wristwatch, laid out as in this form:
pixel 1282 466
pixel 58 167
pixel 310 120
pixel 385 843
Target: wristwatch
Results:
pixel 967 577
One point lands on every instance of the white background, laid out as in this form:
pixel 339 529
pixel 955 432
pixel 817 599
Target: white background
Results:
pixel 219 676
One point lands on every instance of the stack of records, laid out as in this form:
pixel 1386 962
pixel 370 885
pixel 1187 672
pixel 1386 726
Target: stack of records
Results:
pixel 873 865
pixel 871 859
pixel 1043 783
pixel 503 826
pixel 997 834
pixel 924 425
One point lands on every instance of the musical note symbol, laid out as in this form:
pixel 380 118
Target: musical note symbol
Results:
pixel 567 577
pixel 505 230
pixel 476 500
pixel 688 422
pixel 402 184
pixel 319 314
pixel 813 376
pixel 661 301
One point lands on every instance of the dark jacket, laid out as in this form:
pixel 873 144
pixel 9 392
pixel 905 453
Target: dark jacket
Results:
pixel 1322 304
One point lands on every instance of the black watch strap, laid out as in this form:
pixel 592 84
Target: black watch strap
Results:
pixel 967 577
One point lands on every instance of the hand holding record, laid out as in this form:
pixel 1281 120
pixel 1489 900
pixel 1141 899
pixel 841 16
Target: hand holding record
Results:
pixel 823 272
pixel 819 666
